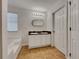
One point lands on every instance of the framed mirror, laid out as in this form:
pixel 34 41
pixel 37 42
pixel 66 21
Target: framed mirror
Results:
pixel 38 23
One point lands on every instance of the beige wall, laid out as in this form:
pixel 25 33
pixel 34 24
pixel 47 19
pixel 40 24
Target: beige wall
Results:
pixel 4 32
pixel 0 29
pixel 0 39
pixel 3 39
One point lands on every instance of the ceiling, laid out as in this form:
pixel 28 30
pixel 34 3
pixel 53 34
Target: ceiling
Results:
pixel 32 4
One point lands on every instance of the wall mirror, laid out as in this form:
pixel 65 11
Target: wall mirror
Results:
pixel 38 22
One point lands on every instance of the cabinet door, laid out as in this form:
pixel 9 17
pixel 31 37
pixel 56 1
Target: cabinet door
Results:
pixel 75 29
pixel 34 41
pixel 61 30
pixel 45 40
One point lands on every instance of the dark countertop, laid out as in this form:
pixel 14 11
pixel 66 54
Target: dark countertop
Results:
pixel 39 32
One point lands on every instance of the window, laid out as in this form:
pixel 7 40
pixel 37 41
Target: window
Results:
pixel 12 22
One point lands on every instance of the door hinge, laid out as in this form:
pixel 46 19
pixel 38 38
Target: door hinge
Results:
pixel 53 31
pixel 70 54
pixel 70 29
pixel 70 3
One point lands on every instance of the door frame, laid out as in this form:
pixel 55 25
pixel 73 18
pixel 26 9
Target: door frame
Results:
pixel 3 12
pixel 53 17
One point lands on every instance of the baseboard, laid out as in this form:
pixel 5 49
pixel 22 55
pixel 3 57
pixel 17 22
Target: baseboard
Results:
pixel 32 47
pixel 18 52
pixel 53 46
pixel 24 44
pixel 67 57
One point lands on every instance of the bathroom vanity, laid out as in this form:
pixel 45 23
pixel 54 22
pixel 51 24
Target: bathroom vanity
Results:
pixel 39 39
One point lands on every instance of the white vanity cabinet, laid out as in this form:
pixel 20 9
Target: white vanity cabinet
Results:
pixel 36 41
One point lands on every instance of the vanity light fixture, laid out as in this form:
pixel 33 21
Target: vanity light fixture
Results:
pixel 39 9
pixel 38 14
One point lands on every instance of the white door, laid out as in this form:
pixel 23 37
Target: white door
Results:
pixel 61 30
pixel 75 29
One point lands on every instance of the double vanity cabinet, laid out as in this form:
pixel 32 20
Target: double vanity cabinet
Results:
pixel 39 39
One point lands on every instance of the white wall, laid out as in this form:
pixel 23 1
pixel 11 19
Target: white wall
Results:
pixel 17 34
pixel 25 24
pixel 51 11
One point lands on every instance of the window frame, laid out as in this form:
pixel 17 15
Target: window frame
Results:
pixel 16 22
